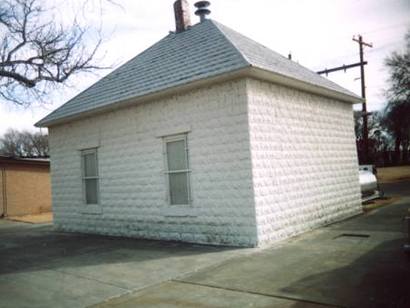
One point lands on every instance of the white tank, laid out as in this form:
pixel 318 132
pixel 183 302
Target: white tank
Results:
pixel 368 182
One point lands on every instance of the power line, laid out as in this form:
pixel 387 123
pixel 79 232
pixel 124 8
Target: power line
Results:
pixel 371 52
pixel 392 26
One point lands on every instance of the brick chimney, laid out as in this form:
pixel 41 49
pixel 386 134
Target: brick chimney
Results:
pixel 182 17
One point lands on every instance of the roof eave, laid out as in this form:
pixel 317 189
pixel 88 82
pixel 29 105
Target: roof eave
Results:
pixel 239 73
pixel 249 71
pixel 266 75
pixel 23 161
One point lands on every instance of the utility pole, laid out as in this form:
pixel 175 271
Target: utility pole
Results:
pixel 361 43
pixel 362 63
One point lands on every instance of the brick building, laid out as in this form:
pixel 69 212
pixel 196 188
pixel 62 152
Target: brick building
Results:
pixel 208 137
pixel 24 186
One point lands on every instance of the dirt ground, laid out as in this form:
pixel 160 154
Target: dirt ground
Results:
pixel 384 176
pixel 34 219
pixel 378 203
pixel 393 174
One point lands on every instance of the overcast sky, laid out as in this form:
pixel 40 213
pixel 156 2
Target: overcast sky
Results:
pixel 318 33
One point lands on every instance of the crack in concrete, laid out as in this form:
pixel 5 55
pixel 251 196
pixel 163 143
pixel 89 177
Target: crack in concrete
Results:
pixel 258 293
pixel 89 278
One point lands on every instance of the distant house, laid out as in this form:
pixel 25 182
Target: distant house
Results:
pixel 24 186
pixel 207 137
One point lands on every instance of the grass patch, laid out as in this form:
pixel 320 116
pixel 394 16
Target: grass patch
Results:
pixel 393 174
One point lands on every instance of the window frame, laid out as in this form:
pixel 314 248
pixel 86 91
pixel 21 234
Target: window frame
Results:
pixel 85 178
pixel 187 170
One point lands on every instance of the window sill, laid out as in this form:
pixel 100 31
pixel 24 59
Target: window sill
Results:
pixel 91 209
pixel 179 211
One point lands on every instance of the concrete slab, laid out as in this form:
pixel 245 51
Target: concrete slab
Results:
pixel 40 266
pixel 176 294
pixel 386 219
pixel 50 288
pixel 347 275
pixel 357 263
pixel 139 267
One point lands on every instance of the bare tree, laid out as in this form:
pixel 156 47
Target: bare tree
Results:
pixel 379 139
pixel 398 64
pixel 396 121
pixel 24 144
pixel 36 52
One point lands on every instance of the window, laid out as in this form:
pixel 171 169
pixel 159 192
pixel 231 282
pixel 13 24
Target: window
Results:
pixel 177 169
pixel 89 166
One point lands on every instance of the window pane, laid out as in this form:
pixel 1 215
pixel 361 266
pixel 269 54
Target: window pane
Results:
pixel 176 155
pixel 91 191
pixel 178 186
pixel 90 164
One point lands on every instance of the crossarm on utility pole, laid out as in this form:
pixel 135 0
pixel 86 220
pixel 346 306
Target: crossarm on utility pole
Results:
pixel 340 68
pixel 362 63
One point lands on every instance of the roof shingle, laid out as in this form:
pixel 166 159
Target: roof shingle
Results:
pixel 206 50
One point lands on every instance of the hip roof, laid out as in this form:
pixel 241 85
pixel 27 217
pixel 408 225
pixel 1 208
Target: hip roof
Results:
pixel 205 50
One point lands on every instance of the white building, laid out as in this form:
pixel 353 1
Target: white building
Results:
pixel 207 137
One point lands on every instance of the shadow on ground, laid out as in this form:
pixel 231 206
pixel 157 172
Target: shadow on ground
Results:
pixel 40 267
pixel 379 278
pixel 44 248
pixel 355 263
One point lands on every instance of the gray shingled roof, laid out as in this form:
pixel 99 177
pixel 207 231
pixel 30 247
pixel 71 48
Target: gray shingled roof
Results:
pixel 205 50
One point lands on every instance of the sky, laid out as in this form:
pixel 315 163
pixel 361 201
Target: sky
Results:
pixel 318 33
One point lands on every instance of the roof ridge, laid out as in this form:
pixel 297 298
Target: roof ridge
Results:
pixel 219 26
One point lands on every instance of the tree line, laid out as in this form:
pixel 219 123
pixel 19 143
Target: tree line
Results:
pixel 24 143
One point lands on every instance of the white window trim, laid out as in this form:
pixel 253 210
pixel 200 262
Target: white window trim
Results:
pixel 167 172
pixel 92 208
pixel 172 131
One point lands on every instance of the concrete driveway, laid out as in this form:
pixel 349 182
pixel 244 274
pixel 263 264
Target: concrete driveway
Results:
pixel 43 268
pixel 356 263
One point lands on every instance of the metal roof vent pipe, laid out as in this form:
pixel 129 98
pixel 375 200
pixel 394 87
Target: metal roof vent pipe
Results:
pixel 202 9
pixel 182 18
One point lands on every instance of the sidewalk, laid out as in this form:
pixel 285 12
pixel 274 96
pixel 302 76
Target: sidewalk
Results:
pixel 356 263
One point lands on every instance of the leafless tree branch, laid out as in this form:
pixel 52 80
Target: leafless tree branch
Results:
pixel 36 52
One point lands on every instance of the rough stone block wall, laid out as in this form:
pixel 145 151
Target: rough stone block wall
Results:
pixel 133 187
pixel 304 161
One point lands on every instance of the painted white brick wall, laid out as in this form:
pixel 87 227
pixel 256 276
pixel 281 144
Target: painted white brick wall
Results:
pixel 133 192
pixel 304 161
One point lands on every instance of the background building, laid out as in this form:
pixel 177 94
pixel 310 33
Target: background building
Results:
pixel 24 186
